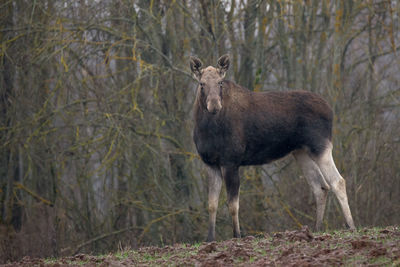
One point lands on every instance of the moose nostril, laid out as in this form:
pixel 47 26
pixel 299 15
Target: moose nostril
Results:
pixel 214 105
pixel 213 111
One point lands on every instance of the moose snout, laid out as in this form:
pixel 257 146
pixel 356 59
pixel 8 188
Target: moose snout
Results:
pixel 214 105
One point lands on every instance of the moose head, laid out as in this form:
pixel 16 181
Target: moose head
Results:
pixel 211 82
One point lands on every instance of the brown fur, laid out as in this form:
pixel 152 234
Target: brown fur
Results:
pixel 235 127
pixel 256 128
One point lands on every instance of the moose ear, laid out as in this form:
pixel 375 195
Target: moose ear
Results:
pixel 223 64
pixel 195 66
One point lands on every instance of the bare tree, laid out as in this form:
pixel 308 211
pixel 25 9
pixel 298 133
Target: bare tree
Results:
pixel 96 120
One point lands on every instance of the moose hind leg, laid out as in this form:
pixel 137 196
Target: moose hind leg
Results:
pixel 316 181
pixel 214 188
pixel 336 181
pixel 232 182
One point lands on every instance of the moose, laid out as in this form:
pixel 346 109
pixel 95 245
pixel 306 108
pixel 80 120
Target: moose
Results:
pixel 235 127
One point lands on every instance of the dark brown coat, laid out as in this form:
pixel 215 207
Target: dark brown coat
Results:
pixel 236 127
pixel 258 127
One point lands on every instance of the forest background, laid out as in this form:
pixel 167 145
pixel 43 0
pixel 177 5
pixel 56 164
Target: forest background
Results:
pixel 96 116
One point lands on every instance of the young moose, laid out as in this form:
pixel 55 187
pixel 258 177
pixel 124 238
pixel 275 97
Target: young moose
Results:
pixel 236 127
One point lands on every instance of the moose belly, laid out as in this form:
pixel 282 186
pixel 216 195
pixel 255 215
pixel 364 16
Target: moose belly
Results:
pixel 258 154
pixel 220 151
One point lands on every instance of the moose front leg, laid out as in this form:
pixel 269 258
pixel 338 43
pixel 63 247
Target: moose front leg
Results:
pixel 232 182
pixel 214 188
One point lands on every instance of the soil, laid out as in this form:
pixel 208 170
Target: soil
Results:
pixel 369 247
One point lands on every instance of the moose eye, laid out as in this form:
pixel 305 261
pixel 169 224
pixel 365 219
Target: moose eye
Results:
pixel 220 83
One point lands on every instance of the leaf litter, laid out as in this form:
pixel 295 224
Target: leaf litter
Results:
pixel 367 246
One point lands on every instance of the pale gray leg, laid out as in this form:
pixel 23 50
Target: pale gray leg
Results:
pixel 316 181
pixel 214 188
pixel 336 181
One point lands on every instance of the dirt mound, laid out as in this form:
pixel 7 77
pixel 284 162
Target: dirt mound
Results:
pixel 374 247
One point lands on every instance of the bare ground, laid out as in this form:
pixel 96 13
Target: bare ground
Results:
pixel 368 246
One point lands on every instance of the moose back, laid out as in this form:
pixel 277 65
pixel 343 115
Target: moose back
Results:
pixel 236 127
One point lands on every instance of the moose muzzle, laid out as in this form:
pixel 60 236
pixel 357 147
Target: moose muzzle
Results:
pixel 214 104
